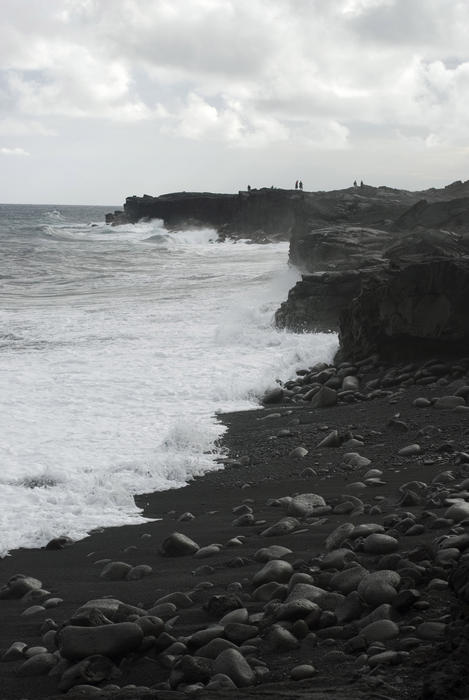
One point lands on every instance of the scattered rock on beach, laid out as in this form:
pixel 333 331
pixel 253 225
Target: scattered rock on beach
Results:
pixel 178 545
pixel 106 640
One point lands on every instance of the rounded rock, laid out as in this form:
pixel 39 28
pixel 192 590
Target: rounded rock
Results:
pixel 276 570
pixel 379 587
pixel 304 504
pixel 38 665
pixel 232 663
pixel 302 672
pixel 380 631
pixel 104 640
pixel 378 543
pixel 178 545
pixel 449 402
pixel 458 511
pixel 115 571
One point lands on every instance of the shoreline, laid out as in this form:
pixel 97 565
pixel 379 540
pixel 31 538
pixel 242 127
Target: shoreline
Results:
pixel 261 473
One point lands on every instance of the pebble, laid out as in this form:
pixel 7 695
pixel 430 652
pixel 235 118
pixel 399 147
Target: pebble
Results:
pixel 214 647
pixel 275 551
pixel 210 550
pixel 421 402
pixel 138 572
pixel 431 631
pixel 380 631
pixel 33 610
pixel 385 657
pixel 178 545
pixel 232 663
pixel 458 511
pixel 240 615
pixel 97 667
pixel 297 609
pixel 337 558
pixel 52 602
pixel 449 402
pixel 38 665
pixel 410 450
pixel 115 571
pixel 332 439
pixel 338 536
pixel 354 460
pixel 18 585
pixel 280 639
pixel 282 527
pixel 324 397
pixel 14 652
pixel 305 504
pixel 105 640
pixel 299 452
pixel 302 672
pixel 379 587
pixel 348 580
pixel 276 570
pixel 378 543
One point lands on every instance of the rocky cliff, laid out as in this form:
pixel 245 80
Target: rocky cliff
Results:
pixel 263 215
pixel 397 228
pixel 388 268
pixel 411 312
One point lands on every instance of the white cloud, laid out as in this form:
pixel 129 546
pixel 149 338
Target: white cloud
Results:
pixel 300 76
pixel 11 125
pixel 13 151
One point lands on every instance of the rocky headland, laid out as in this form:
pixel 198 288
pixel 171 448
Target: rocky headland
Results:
pixel 386 268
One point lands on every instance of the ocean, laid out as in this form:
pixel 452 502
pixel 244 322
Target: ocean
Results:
pixel 118 346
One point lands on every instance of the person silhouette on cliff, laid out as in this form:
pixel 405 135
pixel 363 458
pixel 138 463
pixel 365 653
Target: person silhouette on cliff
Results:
pixel 296 185
pixel 300 185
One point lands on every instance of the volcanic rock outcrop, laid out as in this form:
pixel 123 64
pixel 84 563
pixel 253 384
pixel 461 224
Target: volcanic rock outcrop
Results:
pixel 391 265
pixel 262 215
pixel 418 310
pixel 397 289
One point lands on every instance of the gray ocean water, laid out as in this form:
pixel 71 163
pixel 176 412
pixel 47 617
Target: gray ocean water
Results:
pixel 117 347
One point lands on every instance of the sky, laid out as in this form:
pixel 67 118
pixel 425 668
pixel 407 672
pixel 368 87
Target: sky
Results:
pixel 101 99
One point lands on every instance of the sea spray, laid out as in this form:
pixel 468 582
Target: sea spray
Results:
pixel 118 347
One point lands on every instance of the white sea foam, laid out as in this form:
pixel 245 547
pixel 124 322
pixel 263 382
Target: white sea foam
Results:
pixel 122 344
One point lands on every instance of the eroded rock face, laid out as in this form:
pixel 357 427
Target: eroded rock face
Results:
pixel 316 301
pixel 260 214
pixel 337 247
pixel 452 215
pixel 419 309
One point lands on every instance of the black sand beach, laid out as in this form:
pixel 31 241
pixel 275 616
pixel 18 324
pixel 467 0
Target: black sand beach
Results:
pixel 412 650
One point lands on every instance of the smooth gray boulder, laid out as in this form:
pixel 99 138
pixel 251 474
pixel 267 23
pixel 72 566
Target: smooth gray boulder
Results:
pixel 232 663
pixel 178 545
pixel 105 640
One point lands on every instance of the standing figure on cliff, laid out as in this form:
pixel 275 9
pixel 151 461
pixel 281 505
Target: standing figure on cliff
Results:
pixel 300 185
pixel 249 188
pixel 355 183
pixel 296 185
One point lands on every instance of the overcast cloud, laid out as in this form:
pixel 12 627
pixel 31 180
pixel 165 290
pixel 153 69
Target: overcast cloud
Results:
pixel 115 97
